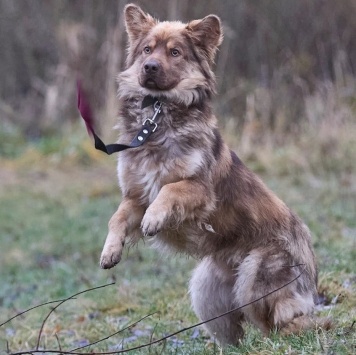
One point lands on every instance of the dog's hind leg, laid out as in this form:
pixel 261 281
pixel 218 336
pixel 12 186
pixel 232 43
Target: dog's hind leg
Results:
pixel 125 221
pixel 267 270
pixel 211 293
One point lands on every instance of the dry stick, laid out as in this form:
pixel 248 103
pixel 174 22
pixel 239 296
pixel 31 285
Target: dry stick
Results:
pixel 151 336
pixel 119 331
pixel 59 344
pixel 206 321
pixel 167 336
pixel 59 304
pixel 27 310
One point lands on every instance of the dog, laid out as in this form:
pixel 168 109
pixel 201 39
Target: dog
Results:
pixel 190 193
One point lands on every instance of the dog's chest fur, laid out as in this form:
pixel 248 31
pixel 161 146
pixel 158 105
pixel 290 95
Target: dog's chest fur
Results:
pixel 173 152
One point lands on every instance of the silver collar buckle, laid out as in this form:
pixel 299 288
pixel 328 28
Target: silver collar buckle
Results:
pixel 157 107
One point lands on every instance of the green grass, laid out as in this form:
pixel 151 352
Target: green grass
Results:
pixel 53 222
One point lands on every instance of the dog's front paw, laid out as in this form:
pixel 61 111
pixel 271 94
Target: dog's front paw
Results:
pixel 153 221
pixel 111 255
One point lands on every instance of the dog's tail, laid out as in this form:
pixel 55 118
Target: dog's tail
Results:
pixel 306 322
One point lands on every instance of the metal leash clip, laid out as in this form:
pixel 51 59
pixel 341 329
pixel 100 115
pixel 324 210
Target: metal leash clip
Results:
pixel 157 106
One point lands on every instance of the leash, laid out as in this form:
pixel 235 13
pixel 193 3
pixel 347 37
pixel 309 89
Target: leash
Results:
pixel 148 126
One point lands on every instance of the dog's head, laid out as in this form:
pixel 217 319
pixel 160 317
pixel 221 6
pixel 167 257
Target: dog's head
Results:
pixel 171 59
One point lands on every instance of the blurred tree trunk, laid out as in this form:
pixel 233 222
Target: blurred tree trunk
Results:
pixel 114 61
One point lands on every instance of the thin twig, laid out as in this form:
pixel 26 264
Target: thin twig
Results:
pixel 58 342
pixel 208 320
pixel 111 335
pixel 167 336
pixel 27 310
pixel 153 331
pixel 59 304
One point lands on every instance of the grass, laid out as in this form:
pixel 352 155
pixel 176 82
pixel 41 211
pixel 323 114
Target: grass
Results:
pixel 55 200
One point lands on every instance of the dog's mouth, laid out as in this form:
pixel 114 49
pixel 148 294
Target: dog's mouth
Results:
pixel 156 83
pixel 151 84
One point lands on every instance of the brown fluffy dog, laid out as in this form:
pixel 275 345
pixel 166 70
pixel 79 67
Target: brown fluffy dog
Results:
pixel 188 191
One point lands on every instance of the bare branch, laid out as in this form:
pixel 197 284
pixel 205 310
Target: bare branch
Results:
pixel 75 352
pixel 208 320
pixel 27 310
pixel 119 331
pixel 59 304
pixel 58 342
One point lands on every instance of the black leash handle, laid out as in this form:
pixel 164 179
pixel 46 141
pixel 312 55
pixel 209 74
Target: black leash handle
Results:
pixel 147 129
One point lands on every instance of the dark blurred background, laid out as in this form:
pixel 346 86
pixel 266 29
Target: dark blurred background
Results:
pixel 284 65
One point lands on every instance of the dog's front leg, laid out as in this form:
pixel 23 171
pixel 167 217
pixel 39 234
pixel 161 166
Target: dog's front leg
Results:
pixel 122 223
pixel 179 201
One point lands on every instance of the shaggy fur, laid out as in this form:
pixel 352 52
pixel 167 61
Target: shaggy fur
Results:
pixel 189 192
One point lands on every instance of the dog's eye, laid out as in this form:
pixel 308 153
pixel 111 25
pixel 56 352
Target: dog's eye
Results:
pixel 175 52
pixel 147 50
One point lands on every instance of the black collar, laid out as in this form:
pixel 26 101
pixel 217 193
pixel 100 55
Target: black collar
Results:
pixel 149 101
pixel 148 127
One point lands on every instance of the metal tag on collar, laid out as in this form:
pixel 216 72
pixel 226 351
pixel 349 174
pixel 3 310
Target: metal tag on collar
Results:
pixel 157 106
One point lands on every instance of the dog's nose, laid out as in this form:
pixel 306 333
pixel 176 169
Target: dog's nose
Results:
pixel 151 66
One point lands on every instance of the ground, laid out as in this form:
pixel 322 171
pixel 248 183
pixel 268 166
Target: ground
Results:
pixel 54 208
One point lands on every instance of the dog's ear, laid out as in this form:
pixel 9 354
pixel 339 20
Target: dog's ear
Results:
pixel 206 34
pixel 137 22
